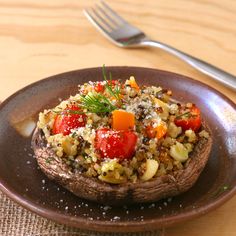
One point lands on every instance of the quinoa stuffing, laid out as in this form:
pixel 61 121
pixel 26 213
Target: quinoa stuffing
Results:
pixel 122 132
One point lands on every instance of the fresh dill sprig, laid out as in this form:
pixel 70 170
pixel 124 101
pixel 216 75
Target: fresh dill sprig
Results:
pixel 186 114
pixel 97 103
pixel 68 112
pixel 57 112
pixel 115 92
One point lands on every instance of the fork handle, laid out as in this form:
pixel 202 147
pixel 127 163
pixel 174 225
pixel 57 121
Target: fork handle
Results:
pixel 225 78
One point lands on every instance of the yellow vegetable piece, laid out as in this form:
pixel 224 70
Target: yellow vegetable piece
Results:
pixel 132 82
pixel 68 146
pixel 112 180
pixel 122 120
pixel 164 115
pixel 151 169
pixel 111 172
pixel 179 152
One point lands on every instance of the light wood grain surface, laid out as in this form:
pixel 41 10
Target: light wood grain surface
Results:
pixel 42 38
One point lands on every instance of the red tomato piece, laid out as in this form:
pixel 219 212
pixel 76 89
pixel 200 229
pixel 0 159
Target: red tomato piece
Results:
pixel 115 144
pixel 99 87
pixel 190 120
pixel 113 82
pixel 68 120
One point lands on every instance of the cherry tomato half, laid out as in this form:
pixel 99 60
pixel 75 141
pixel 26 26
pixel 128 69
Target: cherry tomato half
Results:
pixel 68 120
pixel 115 144
pixel 189 120
pixel 99 87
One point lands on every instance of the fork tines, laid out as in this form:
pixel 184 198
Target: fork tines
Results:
pixel 103 17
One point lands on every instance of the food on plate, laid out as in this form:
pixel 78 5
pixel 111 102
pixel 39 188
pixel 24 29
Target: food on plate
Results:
pixel 119 142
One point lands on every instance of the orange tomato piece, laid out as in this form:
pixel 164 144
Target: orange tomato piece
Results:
pixel 122 120
pixel 156 132
pixel 132 82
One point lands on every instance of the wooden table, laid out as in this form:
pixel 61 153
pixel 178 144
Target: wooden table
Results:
pixel 42 38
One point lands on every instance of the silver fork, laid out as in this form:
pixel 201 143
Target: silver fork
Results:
pixel 125 35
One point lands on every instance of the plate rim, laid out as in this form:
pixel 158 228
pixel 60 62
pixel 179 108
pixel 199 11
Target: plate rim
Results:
pixel 108 226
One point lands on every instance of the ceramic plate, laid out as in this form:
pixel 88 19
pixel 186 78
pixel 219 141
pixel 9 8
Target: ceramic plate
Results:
pixel 22 181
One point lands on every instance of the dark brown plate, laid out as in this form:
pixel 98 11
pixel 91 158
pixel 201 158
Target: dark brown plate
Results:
pixel 22 181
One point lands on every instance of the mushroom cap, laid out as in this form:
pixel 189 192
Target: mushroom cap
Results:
pixel 93 189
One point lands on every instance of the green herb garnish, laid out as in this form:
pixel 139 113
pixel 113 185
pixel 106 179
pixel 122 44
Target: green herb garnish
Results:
pixel 226 187
pixel 93 102
pixel 115 92
pixel 49 160
pixel 68 112
pixel 74 134
pixel 186 114
pixel 57 112
pixel 97 103
pixel 221 190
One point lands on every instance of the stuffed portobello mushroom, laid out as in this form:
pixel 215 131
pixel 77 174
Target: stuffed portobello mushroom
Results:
pixel 118 143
